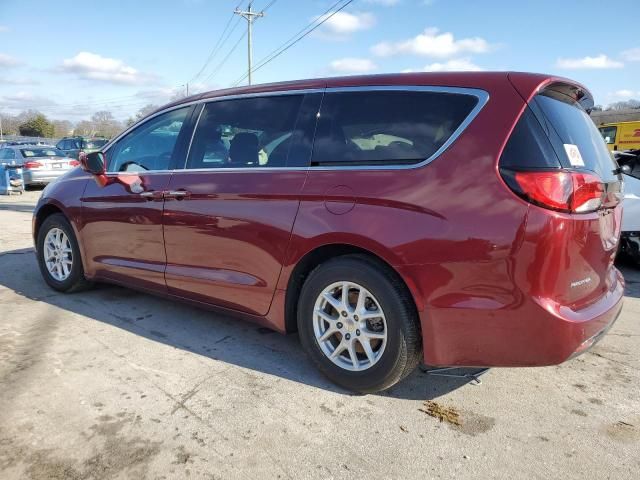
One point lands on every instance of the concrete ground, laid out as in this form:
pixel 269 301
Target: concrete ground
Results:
pixel 112 383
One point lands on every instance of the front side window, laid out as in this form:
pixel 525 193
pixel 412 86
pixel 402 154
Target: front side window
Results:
pixel 150 146
pixel 245 133
pixel 387 127
pixel 609 134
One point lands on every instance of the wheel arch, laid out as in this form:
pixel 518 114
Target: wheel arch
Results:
pixel 322 253
pixel 49 208
pixel 41 215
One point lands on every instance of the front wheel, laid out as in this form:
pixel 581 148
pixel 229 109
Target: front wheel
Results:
pixel 59 255
pixel 358 324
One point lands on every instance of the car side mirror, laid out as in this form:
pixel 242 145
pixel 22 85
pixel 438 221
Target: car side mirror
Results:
pixel 93 163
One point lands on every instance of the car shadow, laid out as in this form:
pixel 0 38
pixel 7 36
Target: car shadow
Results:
pixel 16 207
pixel 631 272
pixel 198 331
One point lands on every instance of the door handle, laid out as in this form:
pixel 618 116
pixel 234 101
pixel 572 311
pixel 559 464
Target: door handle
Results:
pixel 177 194
pixel 152 195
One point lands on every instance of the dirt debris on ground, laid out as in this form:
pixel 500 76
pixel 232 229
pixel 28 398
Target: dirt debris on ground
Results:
pixel 442 413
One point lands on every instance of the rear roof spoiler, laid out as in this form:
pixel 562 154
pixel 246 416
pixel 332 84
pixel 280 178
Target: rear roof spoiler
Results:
pixel 528 86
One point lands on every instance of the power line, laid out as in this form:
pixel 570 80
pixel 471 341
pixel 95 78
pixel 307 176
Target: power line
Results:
pixel 296 38
pixel 218 44
pixel 224 60
pixel 269 5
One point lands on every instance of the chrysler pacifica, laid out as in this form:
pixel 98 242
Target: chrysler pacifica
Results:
pixel 459 219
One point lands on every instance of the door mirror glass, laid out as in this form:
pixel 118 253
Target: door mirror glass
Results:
pixel 93 162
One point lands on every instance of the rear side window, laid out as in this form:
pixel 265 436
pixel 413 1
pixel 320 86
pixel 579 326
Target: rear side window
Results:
pixel 386 127
pixel 569 125
pixel 529 146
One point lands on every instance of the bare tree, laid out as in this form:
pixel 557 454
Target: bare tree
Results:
pixel 105 124
pixel 143 112
pixel 624 105
pixel 84 128
pixel 61 128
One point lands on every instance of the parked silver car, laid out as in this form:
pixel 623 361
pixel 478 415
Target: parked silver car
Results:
pixel 41 164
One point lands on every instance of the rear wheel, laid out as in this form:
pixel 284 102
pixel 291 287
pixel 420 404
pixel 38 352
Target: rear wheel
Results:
pixel 59 255
pixel 358 324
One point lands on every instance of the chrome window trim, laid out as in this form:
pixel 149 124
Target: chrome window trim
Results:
pixel 481 95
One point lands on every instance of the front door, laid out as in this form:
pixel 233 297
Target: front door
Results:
pixel 122 220
pixel 230 213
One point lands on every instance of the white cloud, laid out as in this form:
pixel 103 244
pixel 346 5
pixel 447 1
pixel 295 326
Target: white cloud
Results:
pixel 92 66
pixel 631 55
pixel 598 62
pixel 343 24
pixel 625 94
pixel 432 43
pixel 8 61
pixel 24 100
pixel 352 65
pixel 18 81
pixel 4 28
pixel 453 65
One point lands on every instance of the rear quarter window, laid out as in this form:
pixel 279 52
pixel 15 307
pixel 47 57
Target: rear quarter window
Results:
pixel 387 127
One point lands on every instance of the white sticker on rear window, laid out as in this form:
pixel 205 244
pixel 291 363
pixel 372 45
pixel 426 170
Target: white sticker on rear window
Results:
pixel 573 152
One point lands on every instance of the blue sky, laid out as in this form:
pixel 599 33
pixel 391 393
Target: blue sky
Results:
pixel 70 58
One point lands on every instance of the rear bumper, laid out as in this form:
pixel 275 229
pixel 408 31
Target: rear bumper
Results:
pixel 41 177
pixel 530 332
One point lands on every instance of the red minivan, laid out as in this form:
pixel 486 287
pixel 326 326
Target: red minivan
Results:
pixel 460 219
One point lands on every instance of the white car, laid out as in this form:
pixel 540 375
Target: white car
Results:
pixel 630 239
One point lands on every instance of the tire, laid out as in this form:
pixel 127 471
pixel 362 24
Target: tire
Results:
pixel 74 281
pixel 388 361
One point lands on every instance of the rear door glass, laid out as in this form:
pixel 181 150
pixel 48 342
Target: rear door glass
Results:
pixel 387 127
pixel 569 125
pixel 257 132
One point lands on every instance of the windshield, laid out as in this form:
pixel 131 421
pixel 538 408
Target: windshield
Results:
pixel 42 152
pixel 93 143
pixel 609 134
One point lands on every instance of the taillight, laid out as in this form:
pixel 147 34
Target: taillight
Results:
pixel 32 164
pixel 561 190
pixel 74 163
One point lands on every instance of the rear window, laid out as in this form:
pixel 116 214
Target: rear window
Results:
pixel 569 125
pixel 93 143
pixel 387 127
pixel 41 152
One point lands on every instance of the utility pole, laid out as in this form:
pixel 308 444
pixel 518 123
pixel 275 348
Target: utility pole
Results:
pixel 249 16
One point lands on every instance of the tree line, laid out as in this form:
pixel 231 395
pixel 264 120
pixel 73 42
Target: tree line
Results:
pixel 615 106
pixel 32 123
